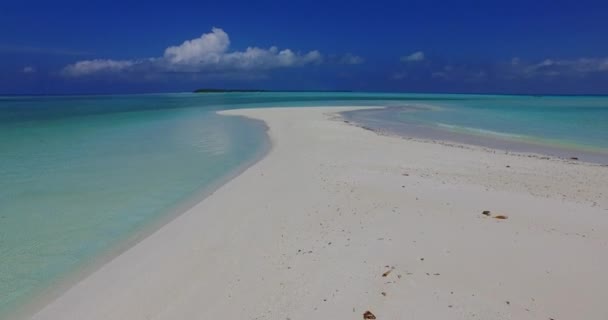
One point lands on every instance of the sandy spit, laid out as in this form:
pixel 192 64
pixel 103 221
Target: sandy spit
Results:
pixel 337 222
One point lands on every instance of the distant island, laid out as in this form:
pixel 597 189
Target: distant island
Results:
pixel 226 90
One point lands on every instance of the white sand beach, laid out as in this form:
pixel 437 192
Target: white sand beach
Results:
pixel 337 220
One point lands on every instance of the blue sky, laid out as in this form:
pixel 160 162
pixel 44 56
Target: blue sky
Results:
pixel 125 46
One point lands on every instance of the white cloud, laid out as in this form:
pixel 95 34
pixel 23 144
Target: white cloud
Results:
pixel 87 67
pixel 350 58
pixel 414 57
pixel 556 67
pixel 29 69
pixel 208 53
pixel 257 58
pixel 461 73
pixel 207 49
pixel 585 64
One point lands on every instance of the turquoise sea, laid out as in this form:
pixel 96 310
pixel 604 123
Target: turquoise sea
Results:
pixel 560 126
pixel 81 176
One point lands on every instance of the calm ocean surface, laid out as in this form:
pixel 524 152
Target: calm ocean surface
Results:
pixel 81 174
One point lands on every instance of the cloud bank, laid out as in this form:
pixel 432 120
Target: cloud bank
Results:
pixel 556 67
pixel 86 67
pixel 209 53
pixel 518 68
pixel 514 69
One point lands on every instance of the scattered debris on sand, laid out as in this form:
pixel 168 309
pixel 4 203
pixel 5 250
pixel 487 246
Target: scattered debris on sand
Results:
pixel 368 315
pixel 487 213
pixel 385 274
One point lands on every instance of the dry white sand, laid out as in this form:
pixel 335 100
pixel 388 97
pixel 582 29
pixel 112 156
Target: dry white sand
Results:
pixel 309 231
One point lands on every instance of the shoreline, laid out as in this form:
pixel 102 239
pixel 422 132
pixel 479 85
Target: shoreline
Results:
pixel 59 286
pixel 478 147
pixel 429 133
pixel 350 179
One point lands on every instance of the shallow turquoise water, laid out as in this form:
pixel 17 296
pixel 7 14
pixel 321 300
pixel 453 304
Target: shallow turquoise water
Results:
pixel 79 174
pixel 579 121
pixel 72 187
pixel 553 125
